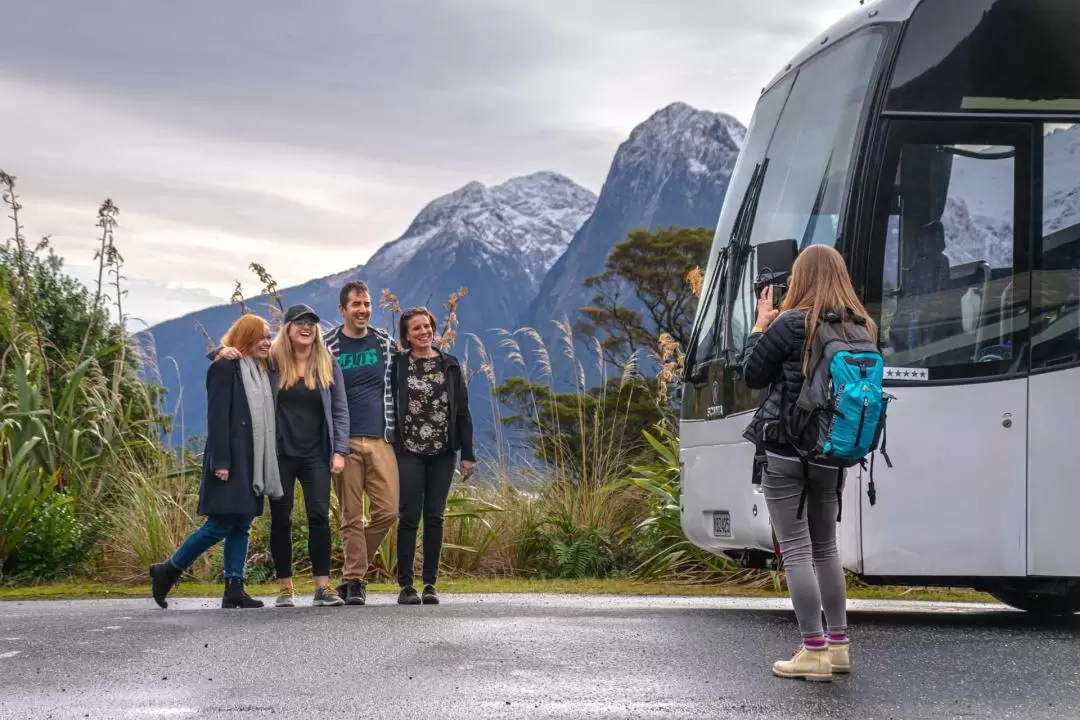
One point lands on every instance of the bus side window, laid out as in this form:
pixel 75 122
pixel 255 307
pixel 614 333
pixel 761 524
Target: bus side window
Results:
pixel 1055 331
pixel 948 261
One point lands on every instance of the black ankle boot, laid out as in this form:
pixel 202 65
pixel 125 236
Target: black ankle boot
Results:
pixel 162 578
pixel 235 597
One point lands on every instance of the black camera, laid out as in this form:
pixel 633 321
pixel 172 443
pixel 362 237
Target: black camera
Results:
pixel 767 278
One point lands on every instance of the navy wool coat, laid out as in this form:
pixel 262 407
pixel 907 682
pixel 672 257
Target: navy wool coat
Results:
pixel 229 445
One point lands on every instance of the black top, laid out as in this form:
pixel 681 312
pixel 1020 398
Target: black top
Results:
pixel 426 430
pixel 364 369
pixel 301 422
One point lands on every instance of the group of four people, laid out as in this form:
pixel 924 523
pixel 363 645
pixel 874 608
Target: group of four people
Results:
pixel 354 409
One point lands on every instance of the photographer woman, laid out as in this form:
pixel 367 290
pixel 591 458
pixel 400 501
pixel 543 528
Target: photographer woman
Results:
pixel 776 356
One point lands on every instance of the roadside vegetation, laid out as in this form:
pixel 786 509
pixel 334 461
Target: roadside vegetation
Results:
pixel 90 494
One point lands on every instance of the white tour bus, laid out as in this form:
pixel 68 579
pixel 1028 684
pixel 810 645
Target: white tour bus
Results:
pixel 936 145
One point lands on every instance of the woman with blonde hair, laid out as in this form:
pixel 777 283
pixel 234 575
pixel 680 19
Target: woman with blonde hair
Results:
pixel 239 463
pixel 313 436
pixel 313 440
pixel 777 356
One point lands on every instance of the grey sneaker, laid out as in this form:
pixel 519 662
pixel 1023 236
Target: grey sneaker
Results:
pixel 326 597
pixel 286 598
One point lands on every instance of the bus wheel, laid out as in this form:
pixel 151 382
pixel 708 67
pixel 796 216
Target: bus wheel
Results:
pixel 1041 603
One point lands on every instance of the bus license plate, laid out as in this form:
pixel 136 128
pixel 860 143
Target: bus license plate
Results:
pixel 721 524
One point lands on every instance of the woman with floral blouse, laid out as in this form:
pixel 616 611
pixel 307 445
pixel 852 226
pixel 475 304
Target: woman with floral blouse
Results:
pixel 434 425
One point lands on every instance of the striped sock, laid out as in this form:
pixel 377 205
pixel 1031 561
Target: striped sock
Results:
pixel 814 643
pixel 838 637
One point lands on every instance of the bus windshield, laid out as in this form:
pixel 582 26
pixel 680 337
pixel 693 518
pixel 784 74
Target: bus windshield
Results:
pixel 806 125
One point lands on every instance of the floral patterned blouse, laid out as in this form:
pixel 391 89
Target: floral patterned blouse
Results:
pixel 427 416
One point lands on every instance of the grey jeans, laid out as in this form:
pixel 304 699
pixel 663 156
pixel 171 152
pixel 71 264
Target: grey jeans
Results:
pixel 815 576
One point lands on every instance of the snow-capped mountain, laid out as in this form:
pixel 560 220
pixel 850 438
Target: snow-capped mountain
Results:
pixel 530 218
pixel 496 241
pixel 674 169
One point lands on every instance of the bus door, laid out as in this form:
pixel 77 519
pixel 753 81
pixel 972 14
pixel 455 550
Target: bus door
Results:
pixel 946 277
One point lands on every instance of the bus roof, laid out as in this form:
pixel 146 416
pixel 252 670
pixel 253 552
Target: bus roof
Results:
pixel 877 12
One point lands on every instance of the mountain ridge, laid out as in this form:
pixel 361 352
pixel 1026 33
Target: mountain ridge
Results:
pixel 517 246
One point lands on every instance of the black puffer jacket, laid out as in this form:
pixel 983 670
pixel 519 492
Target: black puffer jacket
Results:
pixel 774 358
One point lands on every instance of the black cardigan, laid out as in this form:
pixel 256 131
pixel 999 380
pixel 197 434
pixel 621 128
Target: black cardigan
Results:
pixel 461 426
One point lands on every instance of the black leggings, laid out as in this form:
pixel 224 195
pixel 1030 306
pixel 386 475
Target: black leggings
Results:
pixel 425 485
pixel 314 476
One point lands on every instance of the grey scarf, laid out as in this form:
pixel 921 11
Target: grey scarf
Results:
pixel 265 479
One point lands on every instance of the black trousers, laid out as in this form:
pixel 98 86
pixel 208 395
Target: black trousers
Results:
pixel 425 485
pixel 314 476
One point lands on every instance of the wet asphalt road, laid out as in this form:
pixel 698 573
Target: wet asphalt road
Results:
pixel 534 656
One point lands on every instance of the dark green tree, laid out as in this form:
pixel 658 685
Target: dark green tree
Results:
pixel 643 294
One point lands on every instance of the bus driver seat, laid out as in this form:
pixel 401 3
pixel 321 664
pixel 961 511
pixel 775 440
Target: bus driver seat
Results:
pixel 929 270
pixel 919 317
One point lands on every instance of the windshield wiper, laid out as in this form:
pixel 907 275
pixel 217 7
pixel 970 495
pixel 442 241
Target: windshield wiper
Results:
pixel 740 236
pixel 740 239
pixel 692 373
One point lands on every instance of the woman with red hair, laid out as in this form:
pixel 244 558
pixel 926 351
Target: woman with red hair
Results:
pixel 239 463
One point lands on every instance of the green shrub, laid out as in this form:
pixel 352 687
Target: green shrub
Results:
pixel 59 542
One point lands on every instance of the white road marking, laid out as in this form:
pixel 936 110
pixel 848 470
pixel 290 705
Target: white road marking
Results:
pixel 9 654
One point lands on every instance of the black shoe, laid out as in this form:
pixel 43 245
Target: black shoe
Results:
pixel 235 597
pixel 408 596
pixel 354 592
pixel 162 578
pixel 430 596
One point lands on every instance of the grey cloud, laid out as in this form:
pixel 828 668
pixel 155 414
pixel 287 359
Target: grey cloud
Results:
pixel 436 80
pixel 331 75
pixel 248 130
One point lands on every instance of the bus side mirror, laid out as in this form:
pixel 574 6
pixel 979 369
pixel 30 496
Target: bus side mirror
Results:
pixel 776 256
pixel 774 262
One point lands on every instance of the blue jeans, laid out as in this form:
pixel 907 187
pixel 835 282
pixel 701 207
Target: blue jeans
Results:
pixel 233 529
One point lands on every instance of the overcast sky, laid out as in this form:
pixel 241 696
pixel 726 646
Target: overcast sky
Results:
pixel 305 135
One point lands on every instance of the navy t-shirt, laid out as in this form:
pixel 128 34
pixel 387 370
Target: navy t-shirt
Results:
pixel 363 364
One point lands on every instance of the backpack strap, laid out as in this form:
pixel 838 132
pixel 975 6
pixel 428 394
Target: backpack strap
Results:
pixel 760 461
pixel 871 491
pixel 884 439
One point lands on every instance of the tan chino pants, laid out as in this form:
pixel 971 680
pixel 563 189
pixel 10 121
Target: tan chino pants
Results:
pixel 371 467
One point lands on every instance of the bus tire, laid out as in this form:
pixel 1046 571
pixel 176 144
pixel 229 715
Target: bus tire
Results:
pixel 1042 604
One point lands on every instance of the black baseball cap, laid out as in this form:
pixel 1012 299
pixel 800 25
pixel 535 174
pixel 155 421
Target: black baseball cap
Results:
pixel 295 312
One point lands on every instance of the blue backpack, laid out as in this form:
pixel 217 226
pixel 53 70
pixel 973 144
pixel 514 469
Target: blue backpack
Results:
pixel 839 417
